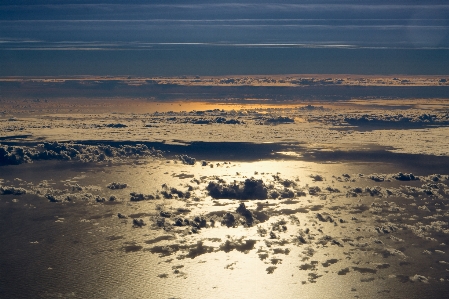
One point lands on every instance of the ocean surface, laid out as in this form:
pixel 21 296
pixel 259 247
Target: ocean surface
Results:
pixel 81 249
pixel 203 59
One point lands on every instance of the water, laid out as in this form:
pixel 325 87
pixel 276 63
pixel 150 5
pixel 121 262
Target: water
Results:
pixel 177 60
pixel 81 249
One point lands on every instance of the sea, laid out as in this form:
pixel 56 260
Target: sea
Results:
pixel 221 60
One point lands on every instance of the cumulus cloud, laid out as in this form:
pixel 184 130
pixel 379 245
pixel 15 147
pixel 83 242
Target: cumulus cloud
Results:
pixel 116 185
pixel 249 189
pixel 5 190
pixel 13 155
pixel 186 159
pixel 277 120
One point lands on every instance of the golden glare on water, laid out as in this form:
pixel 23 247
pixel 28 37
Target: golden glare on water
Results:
pixel 261 261
pixel 275 203
pixel 152 107
pixel 189 149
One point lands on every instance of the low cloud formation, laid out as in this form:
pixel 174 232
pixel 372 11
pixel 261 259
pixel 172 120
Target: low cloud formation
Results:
pixel 118 125
pixel 115 185
pixel 72 197
pixel 276 120
pixel 201 118
pixel 410 120
pixel 186 159
pixel 405 177
pixel 140 196
pixel 312 108
pixel 11 190
pixel 249 189
pixel 14 155
pixel 252 188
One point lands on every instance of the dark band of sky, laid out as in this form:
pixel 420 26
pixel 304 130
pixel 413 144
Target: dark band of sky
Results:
pixel 223 37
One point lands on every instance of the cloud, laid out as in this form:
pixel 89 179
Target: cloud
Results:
pixel 14 155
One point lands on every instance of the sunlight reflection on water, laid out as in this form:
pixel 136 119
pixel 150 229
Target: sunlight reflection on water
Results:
pixel 152 107
pixel 84 250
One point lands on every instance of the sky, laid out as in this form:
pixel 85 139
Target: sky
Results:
pixel 187 37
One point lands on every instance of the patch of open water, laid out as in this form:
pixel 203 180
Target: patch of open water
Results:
pixel 341 234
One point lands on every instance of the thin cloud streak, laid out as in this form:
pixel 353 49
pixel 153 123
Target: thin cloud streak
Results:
pixel 202 11
pixel 59 24
pixel 98 46
pixel 271 6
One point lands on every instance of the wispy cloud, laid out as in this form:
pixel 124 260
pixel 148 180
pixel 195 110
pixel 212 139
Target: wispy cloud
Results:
pixel 203 10
pixel 374 23
pixel 99 46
